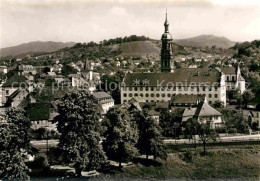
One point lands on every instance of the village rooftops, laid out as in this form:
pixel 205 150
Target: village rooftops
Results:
pixel 16 81
pixel 181 77
pixel 101 95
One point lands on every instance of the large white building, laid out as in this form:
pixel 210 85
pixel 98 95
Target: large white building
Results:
pixel 161 86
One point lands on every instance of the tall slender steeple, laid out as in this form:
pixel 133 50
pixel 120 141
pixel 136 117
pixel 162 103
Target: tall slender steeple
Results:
pixel 166 24
pixel 167 64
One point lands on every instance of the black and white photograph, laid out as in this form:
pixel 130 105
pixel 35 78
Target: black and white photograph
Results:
pixel 126 90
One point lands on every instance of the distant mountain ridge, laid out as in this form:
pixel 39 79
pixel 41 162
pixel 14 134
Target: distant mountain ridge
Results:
pixel 36 46
pixel 206 40
pixel 128 48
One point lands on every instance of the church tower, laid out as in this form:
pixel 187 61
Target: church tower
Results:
pixel 167 64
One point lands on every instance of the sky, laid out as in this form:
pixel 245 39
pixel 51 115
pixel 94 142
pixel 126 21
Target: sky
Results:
pixel 24 21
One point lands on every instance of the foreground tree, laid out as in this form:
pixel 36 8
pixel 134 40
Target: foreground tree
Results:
pixel 121 136
pixel 14 144
pixel 150 140
pixel 205 133
pixel 168 120
pixel 190 128
pixel 78 123
pixel 234 121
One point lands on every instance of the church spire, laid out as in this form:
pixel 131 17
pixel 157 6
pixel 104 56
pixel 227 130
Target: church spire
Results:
pixel 166 24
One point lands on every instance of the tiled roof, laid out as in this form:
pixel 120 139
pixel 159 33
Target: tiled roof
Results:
pixel 205 109
pixel 228 70
pixel 189 112
pixel 16 81
pixel 185 99
pixel 182 75
pixel 162 105
pixel 100 95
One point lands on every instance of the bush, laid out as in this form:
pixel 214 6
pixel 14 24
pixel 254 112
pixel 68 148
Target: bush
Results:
pixel 187 156
pixel 40 162
pixel 54 156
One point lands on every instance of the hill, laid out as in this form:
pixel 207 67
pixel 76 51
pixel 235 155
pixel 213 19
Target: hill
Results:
pixel 34 47
pixel 139 48
pixel 206 40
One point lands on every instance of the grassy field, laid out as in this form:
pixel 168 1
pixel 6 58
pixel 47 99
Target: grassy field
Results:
pixel 139 47
pixel 222 164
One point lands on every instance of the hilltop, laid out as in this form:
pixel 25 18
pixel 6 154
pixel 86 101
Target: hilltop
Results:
pixel 130 46
pixel 34 47
pixel 206 40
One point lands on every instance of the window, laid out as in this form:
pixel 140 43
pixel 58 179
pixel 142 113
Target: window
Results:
pixel 209 88
pixel 210 96
pixel 125 95
pixel 210 102
pixel 227 78
pixel 152 88
pixel 233 78
pixel 168 95
pixel 152 95
pixel 141 95
pixel 141 88
pixel 257 115
pixel 130 95
pixel 136 88
pixel 204 89
pixel 136 95
pixel 163 95
pixel 130 88
pixel 216 88
pixel 147 88
pixel 216 95
pixel 146 95
pixel 7 92
pixel 157 95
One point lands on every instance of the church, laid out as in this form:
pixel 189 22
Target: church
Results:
pixel 169 82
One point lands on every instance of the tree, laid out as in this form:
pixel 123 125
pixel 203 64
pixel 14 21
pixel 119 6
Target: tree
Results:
pixel 205 133
pixel 190 128
pixel 247 96
pixel 78 123
pixel 150 140
pixel 66 70
pixel 234 121
pixel 121 135
pixel 14 143
pixel 167 121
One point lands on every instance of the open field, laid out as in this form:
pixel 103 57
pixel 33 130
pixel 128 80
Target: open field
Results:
pixel 139 48
pixel 221 164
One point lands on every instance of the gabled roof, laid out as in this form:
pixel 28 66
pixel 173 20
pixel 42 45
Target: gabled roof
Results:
pixel 228 70
pixel 16 81
pixel 100 95
pixel 204 109
pixel 189 112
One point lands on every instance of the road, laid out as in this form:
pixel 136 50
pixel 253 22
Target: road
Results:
pixel 52 143
pixel 222 139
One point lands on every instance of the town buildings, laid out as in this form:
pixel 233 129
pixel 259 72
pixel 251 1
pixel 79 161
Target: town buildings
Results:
pixel 171 81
